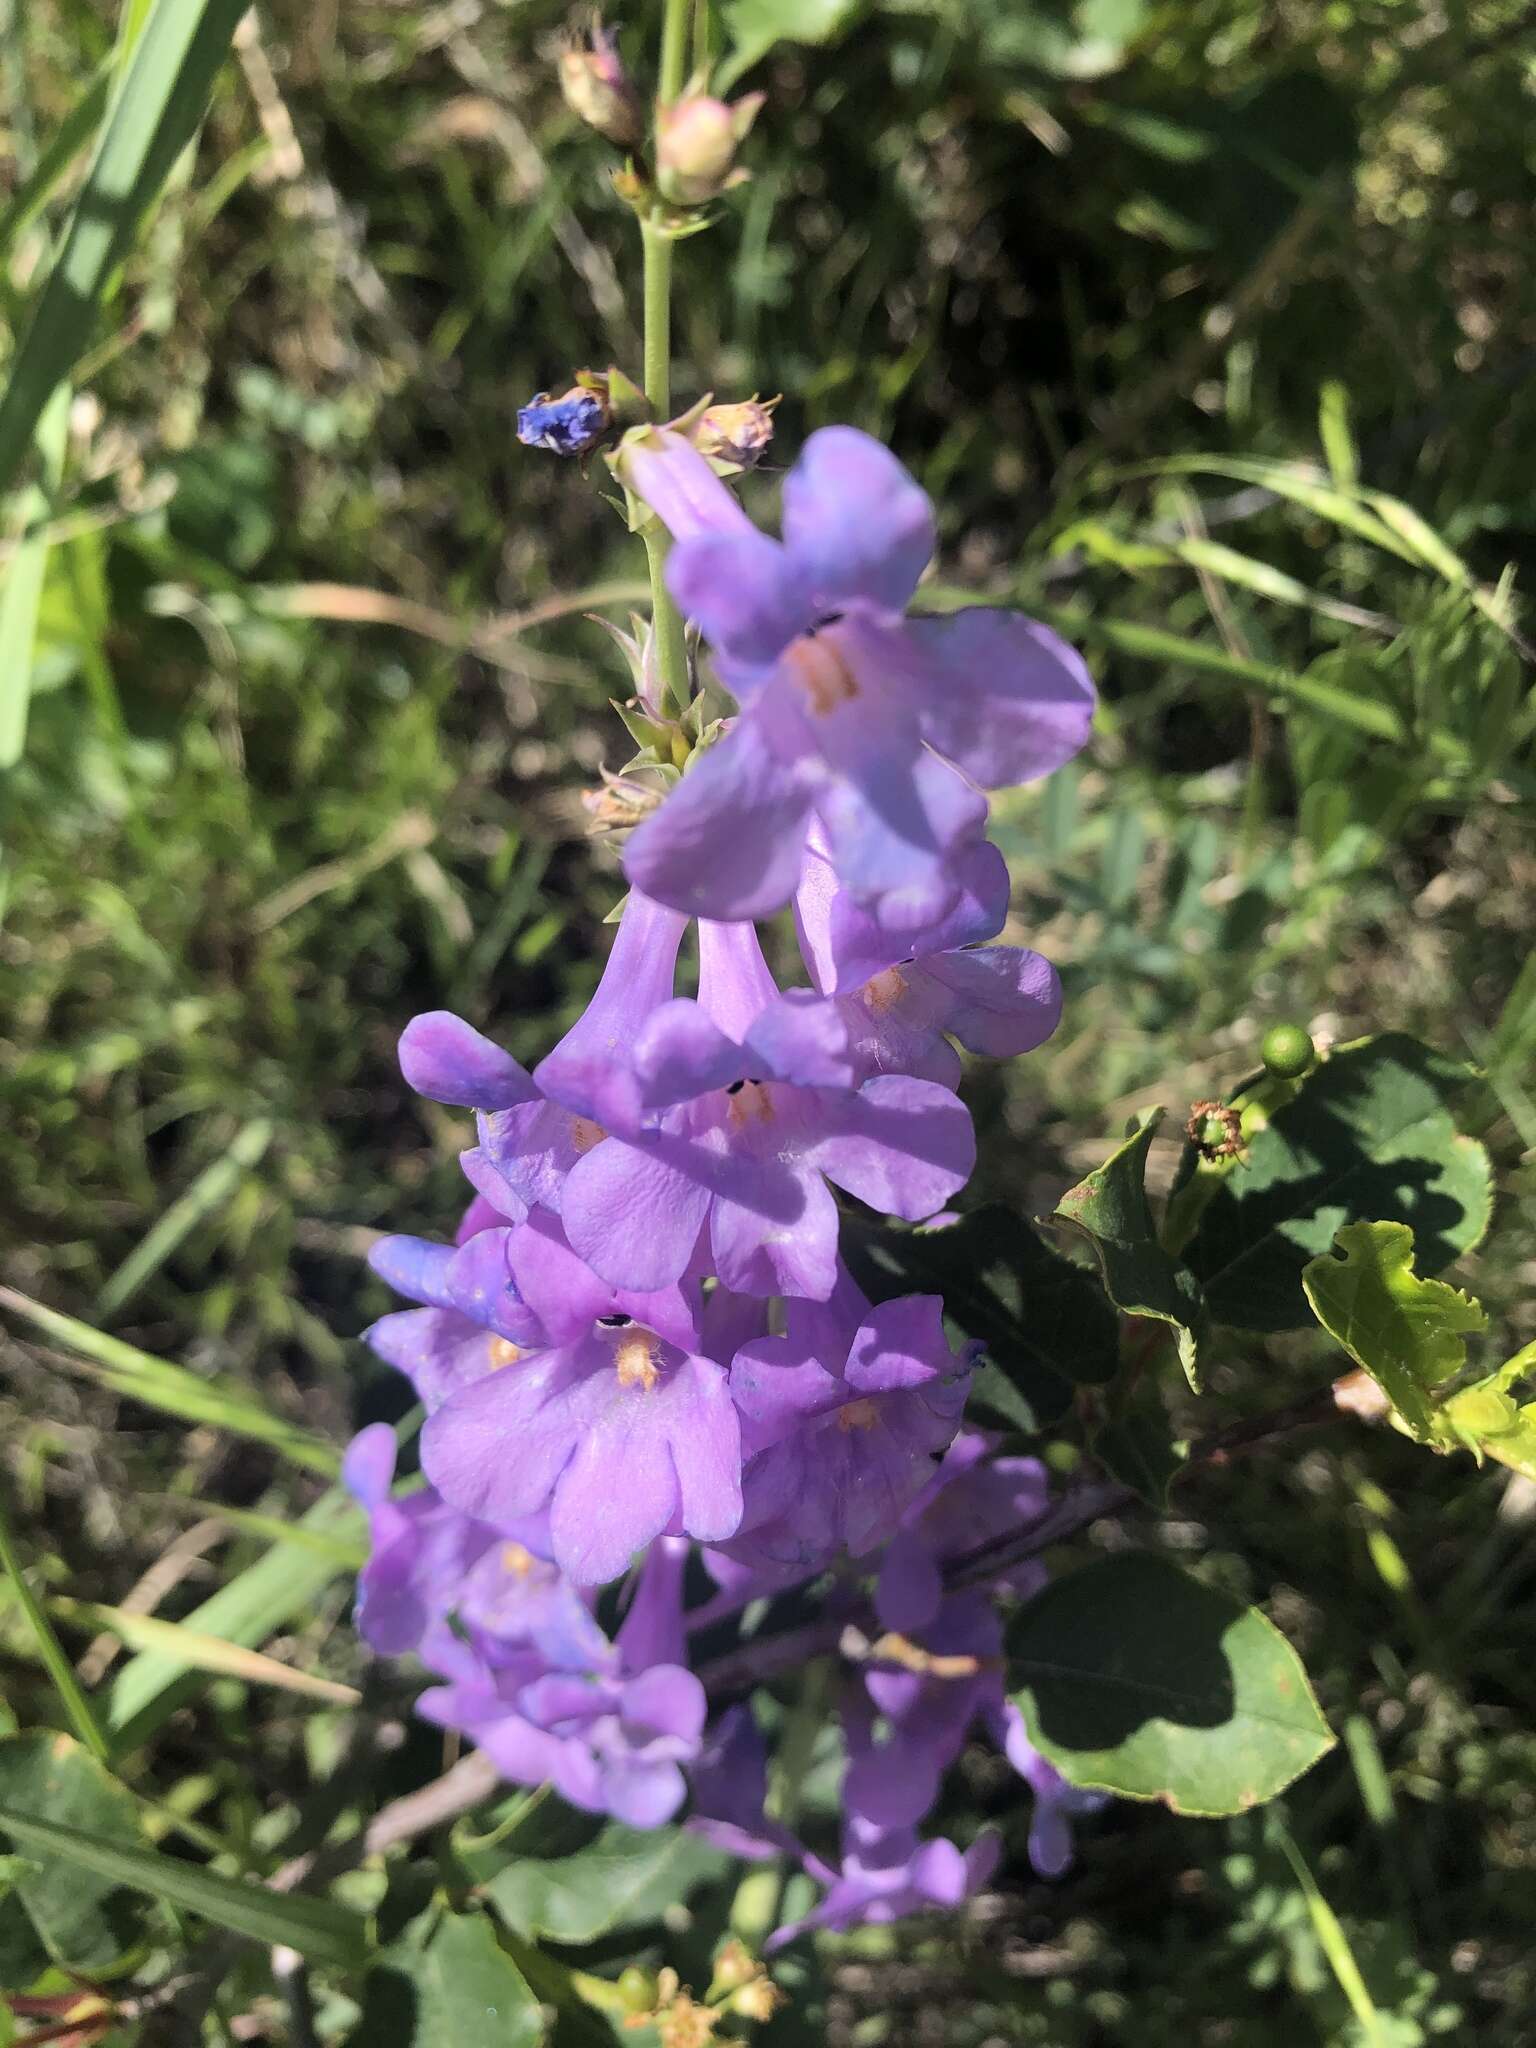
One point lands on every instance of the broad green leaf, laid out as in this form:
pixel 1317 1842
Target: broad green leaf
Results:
pixel 1369 1136
pixel 174 1390
pixel 1045 1322
pixel 755 26
pixel 626 1878
pixel 1408 1333
pixel 250 1608
pixel 1111 1208
pixel 1135 1678
pixel 321 1929
pixel 154 114
pixel 81 1919
pixel 454 1987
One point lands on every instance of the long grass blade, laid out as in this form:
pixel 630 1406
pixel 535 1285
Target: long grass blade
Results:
pixel 252 1607
pixel 68 139
pixel 71 1694
pixel 203 1652
pixel 1334 1943
pixel 21 584
pixel 212 1188
pixel 140 1376
pixel 154 114
pixel 324 1930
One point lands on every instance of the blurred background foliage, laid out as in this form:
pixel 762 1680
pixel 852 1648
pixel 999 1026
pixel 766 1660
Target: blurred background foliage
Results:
pixel 1210 325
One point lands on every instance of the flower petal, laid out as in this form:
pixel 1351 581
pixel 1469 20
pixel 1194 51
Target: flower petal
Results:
pixel 1002 697
pixel 726 842
pixel 447 1060
pixel 903 1146
pixel 634 1218
pixel 855 523
pixel 744 593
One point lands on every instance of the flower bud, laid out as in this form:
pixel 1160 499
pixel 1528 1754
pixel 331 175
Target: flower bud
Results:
pixel 696 142
pixel 759 2000
pixel 568 425
pixel 735 435
pixel 597 87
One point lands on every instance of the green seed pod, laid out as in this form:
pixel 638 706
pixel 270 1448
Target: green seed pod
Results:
pixel 1287 1052
pixel 636 1989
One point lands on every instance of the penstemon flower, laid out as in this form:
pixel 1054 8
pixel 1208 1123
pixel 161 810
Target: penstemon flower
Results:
pixel 884 728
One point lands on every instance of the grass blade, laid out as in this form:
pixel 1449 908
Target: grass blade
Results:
pixel 1334 1943
pixel 71 136
pixel 21 591
pixel 253 1606
pixel 153 116
pixel 321 1929
pixel 140 1376
pixel 68 1687
pixel 214 1186
pixel 203 1652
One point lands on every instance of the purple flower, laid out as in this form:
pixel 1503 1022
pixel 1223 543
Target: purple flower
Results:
pixel 427 1562
pixel 728 1783
pixel 767 1113
pixel 611 1739
pixel 998 1000
pixel 885 728
pixel 887 1874
pixel 621 1427
pixel 841 1420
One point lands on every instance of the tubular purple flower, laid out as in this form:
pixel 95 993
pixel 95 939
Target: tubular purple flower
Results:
pixel 841 1420
pixel 766 1116
pixel 612 1395
pixel 885 728
pixel 888 1874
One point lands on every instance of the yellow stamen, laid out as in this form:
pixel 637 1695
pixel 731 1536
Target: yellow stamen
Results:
pixel 858 1415
pixel 503 1352
pixel 822 674
pixel 585 1134
pixel 750 1100
pixel 517 1560
pixel 635 1361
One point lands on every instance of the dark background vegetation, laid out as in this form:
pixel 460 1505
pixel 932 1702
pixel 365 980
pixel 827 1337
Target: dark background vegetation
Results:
pixel 317 700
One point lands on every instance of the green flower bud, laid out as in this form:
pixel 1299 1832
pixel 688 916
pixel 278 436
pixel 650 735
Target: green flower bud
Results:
pixel 696 143
pixel 1287 1052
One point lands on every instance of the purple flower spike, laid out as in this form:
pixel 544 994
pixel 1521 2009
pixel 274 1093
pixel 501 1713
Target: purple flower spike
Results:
pixel 750 1159
pixel 840 1436
pixel 883 728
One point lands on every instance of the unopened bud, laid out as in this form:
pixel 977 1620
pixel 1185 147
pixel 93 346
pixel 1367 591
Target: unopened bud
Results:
pixel 759 2000
pixel 597 87
pixel 734 1966
pixel 696 142
pixel 735 435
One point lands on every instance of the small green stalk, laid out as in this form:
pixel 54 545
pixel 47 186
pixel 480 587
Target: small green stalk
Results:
pixel 656 250
pixel 76 1706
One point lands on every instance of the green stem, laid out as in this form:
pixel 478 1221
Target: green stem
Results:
pixel 76 1706
pixel 656 250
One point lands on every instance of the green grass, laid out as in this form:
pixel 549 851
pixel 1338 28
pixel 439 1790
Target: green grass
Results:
pixel 1105 302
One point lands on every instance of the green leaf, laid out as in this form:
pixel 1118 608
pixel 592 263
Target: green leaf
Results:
pixel 454 1987
pixel 214 1186
pixel 1044 1321
pixel 1369 1136
pixel 755 26
pixel 71 1693
pixel 140 1376
pixel 626 1878
pixel 1135 1678
pixel 82 1921
pixel 153 116
pixel 1408 1333
pixel 321 1929
pixel 1111 1208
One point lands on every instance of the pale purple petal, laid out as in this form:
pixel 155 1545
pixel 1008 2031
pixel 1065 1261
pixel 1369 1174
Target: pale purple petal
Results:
pixel 632 1216
pixel 447 1060
pixel 903 1146
pixel 1002 697
pixel 415 1267
pixel 747 595
pixel 855 523
pixel 674 479
pixel 759 1250
pixel 497 1448
pixel 727 841
pixel 680 1052
pixel 800 1037
pixel 706 1451
pixel 368 1469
